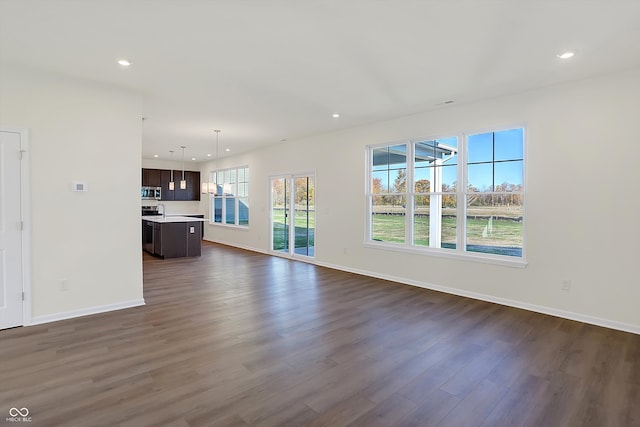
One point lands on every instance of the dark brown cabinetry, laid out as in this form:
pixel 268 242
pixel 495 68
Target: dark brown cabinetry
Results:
pixel 192 192
pixel 151 178
pixel 172 239
pixel 165 178
pixel 161 178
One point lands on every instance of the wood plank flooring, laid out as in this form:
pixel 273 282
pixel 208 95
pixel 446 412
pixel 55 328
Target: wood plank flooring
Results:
pixel 235 338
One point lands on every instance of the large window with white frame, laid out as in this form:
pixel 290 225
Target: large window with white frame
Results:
pixel 456 195
pixel 230 200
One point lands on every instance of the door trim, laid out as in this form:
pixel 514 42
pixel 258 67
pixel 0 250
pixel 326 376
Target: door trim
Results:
pixel 25 217
pixel 290 178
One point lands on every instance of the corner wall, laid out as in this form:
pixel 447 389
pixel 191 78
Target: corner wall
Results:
pixel 581 200
pixel 79 131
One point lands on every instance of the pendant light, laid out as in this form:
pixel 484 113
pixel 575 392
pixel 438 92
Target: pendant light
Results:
pixel 213 186
pixel 172 184
pixel 183 182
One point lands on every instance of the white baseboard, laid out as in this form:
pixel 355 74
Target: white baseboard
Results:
pixel 37 320
pixel 607 323
pixel 611 324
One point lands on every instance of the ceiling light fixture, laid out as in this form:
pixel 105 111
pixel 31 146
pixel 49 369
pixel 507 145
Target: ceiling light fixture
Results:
pixel 124 62
pixel 335 115
pixel 155 155
pixel 172 184
pixel 228 149
pixel 183 182
pixel 565 55
pixel 193 158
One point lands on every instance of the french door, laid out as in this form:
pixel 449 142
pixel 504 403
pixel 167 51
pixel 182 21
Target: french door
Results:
pixel 293 215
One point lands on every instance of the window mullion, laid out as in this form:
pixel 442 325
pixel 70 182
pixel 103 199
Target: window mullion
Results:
pixel 409 190
pixel 461 211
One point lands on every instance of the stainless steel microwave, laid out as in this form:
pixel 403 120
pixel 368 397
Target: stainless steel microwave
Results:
pixel 151 193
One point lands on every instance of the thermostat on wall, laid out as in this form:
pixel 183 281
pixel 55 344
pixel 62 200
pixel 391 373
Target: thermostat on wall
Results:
pixel 79 186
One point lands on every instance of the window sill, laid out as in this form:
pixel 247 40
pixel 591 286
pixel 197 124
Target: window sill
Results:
pixel 450 254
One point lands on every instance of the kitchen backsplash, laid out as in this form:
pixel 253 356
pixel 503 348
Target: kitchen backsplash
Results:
pixel 175 207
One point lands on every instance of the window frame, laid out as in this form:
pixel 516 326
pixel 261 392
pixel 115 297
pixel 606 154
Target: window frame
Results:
pixel 224 197
pixel 461 192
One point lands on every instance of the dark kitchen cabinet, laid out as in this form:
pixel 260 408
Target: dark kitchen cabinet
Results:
pixel 151 177
pixel 192 192
pixel 165 178
pixel 172 239
pixel 161 178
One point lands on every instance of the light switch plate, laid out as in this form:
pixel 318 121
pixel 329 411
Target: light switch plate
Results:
pixel 79 186
pixel 192 230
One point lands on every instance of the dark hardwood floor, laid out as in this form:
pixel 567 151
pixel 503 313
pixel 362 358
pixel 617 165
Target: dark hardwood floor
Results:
pixel 235 338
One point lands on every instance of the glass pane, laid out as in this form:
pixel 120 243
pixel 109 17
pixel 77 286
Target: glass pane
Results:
pixel 425 153
pixel 508 176
pixel 449 178
pixel 243 211
pixel 435 228
pixel 388 219
pixel 280 214
pixel 494 224
pixel 421 221
pixel 380 182
pixel 217 209
pixel 449 221
pixel 422 177
pixel 389 169
pixel 230 210
pixel 304 216
pixel 480 177
pixel 509 144
pixel 480 148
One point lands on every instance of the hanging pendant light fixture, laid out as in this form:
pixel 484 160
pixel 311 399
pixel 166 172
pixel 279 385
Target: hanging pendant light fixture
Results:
pixel 210 186
pixel 172 184
pixel 183 182
pixel 213 186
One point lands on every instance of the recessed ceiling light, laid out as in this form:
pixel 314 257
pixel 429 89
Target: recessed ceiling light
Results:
pixel 335 115
pixel 565 55
pixel 208 155
pixel 155 155
pixel 124 62
pixel 193 158
pixel 228 149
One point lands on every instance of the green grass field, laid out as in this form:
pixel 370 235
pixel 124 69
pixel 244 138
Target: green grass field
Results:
pixel 302 238
pixel 503 233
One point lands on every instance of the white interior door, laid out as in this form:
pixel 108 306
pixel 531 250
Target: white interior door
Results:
pixel 10 231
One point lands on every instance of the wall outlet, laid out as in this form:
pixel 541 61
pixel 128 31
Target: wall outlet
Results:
pixel 565 285
pixel 64 285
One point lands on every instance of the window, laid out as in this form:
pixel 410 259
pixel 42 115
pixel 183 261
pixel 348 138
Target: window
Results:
pixel 453 195
pixel 230 203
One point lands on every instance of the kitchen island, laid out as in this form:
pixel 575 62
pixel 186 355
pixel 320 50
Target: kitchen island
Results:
pixel 172 236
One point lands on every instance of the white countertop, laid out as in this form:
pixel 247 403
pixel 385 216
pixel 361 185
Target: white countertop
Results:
pixel 172 218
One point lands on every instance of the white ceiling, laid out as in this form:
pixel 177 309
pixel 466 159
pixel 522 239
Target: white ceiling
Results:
pixel 267 70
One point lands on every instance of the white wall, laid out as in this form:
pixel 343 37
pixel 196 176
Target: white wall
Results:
pixel 79 131
pixel 582 204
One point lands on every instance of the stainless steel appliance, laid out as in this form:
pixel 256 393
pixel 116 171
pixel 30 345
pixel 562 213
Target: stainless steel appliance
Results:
pixel 150 211
pixel 151 193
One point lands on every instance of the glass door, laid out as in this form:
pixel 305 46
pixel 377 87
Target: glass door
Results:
pixel 304 215
pixel 293 215
pixel 280 198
